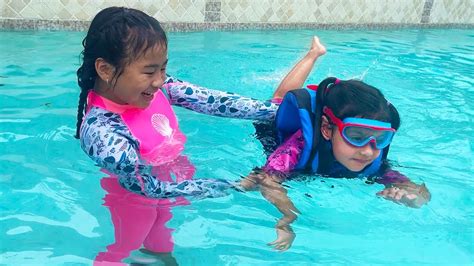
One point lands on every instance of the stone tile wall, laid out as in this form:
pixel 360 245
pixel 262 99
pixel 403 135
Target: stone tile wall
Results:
pixel 443 11
pixel 230 14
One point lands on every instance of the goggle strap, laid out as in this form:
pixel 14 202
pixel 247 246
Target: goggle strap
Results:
pixel 385 152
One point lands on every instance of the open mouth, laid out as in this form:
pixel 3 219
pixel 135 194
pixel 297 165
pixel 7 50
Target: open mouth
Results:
pixel 147 94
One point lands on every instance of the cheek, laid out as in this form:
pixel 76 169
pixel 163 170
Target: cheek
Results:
pixel 125 93
pixel 340 148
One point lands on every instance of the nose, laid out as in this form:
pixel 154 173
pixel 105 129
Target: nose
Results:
pixel 368 150
pixel 158 80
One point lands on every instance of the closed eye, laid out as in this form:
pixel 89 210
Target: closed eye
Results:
pixel 357 137
pixel 150 71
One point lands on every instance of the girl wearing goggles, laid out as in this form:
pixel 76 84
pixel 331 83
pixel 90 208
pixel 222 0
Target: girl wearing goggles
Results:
pixel 344 129
pixel 359 131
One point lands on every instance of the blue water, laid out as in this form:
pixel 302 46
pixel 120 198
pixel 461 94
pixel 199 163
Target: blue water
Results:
pixel 51 199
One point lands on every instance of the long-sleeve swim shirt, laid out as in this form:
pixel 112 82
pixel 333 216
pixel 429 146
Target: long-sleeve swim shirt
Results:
pixel 109 143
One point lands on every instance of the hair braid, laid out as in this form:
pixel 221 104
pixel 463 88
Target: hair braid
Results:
pixel 80 111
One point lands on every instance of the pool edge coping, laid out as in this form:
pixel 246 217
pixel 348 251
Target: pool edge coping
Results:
pixel 80 25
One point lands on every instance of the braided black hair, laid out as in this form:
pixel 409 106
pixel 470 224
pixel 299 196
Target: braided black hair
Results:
pixel 118 35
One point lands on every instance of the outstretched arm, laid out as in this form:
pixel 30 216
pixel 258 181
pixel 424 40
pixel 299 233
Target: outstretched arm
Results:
pixel 114 149
pixel 226 104
pixel 218 103
pixel 298 75
pixel 400 189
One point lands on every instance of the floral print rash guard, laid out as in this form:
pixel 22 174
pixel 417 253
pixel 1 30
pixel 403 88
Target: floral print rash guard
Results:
pixel 106 139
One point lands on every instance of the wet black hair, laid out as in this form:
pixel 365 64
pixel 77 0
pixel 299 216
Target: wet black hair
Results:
pixel 349 98
pixel 119 35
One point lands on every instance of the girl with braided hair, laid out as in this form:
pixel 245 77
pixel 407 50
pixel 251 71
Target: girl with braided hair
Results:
pixel 126 125
pixel 122 76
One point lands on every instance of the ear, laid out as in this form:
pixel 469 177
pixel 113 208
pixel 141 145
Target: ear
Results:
pixel 326 128
pixel 104 70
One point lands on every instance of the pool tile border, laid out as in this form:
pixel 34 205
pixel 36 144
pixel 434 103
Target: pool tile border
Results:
pixel 74 25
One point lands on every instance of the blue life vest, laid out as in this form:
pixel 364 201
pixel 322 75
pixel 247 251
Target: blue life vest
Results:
pixel 297 111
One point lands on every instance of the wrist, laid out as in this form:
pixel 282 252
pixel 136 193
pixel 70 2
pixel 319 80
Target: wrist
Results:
pixel 283 226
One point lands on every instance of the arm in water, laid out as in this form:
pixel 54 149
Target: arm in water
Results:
pixel 114 149
pixel 284 159
pixel 270 186
pixel 279 165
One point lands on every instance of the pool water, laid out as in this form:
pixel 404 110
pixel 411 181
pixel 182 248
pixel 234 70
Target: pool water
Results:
pixel 52 212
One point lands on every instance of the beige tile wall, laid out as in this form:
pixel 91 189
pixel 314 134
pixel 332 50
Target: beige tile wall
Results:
pixel 219 13
pixel 164 10
pixel 322 11
pixel 443 11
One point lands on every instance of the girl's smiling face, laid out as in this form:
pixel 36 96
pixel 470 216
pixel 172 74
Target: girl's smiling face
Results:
pixel 139 80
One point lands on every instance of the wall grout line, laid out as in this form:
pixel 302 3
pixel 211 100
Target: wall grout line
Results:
pixel 425 16
pixel 212 12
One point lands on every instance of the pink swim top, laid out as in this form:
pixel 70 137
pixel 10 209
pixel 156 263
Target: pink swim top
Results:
pixel 155 127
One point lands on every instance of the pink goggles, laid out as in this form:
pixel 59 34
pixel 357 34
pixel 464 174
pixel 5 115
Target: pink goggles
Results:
pixel 360 131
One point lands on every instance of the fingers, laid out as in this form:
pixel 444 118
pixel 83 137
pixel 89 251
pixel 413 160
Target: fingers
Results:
pixel 411 196
pixel 398 195
pixel 272 184
pixel 393 192
pixel 252 181
pixel 285 237
pixel 248 184
pixel 280 245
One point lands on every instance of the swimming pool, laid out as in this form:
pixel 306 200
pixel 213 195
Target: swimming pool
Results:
pixel 52 212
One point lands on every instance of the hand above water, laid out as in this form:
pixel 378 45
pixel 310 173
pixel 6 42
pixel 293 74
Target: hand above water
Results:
pixel 407 193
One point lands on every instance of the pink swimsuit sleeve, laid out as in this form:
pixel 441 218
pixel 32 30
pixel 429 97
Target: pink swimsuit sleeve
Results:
pixel 392 176
pixel 285 157
pixel 276 100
